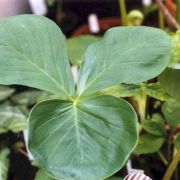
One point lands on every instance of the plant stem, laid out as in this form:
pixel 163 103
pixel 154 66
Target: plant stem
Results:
pixel 161 19
pixel 122 7
pixel 139 103
pixel 169 149
pixel 178 11
pixel 164 160
pixel 172 166
pixel 59 12
pixel 170 19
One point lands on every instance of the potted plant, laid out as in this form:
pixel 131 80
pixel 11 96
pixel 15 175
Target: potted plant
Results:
pixel 84 133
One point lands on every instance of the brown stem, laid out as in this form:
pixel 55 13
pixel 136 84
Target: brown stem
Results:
pixel 22 152
pixel 169 18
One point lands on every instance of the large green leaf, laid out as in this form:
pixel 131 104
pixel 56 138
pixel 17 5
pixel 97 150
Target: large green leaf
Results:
pixel 4 164
pixel 89 139
pixel 11 119
pixel 33 53
pixel 125 55
pixel 171 111
pixel 77 47
pixel 170 81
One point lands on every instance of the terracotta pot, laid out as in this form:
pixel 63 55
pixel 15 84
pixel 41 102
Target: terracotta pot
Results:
pixel 104 23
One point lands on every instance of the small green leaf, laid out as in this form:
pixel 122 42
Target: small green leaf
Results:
pixel 128 55
pixel 156 91
pixel 50 2
pixel 34 53
pixel 123 90
pixel 175 56
pixel 171 111
pixel 42 175
pixel 170 81
pixel 177 142
pixel 4 164
pixel 32 97
pixel 85 139
pixel 148 144
pixel 155 125
pixel 5 92
pixel 11 119
pixel 127 90
pixel 77 47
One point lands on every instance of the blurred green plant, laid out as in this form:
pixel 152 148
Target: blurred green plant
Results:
pixel 4 163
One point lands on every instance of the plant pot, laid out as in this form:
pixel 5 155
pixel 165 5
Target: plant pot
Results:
pixel 104 23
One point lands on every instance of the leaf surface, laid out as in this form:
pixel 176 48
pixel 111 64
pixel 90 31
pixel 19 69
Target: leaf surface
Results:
pixel 125 55
pixel 148 144
pixel 175 56
pixel 83 141
pixel 42 175
pixel 34 53
pixel 170 81
pixel 171 112
pixel 123 90
pixel 155 125
pixel 156 91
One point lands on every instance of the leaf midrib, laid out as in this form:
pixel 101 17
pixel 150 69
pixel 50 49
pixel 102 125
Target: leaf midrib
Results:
pixel 77 131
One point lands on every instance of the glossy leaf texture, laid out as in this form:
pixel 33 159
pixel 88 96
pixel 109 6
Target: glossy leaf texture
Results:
pixel 11 119
pixel 4 164
pixel 34 53
pixel 170 81
pixel 85 139
pixel 125 55
pixel 42 175
pixel 77 47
